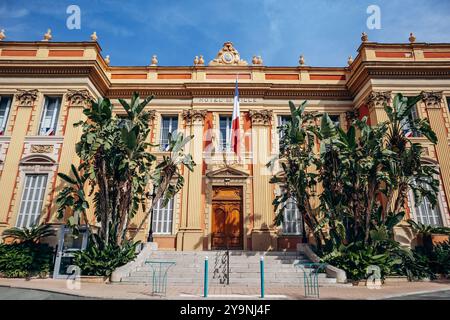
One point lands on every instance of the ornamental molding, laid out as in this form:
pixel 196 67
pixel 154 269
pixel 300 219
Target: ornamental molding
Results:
pixel 26 98
pixel 379 99
pixel 432 99
pixel 228 56
pixel 260 117
pixel 79 98
pixel 194 116
pixel 40 148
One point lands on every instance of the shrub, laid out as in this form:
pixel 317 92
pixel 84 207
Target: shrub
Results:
pixel 355 258
pixel 23 260
pixel 103 260
pixel 440 258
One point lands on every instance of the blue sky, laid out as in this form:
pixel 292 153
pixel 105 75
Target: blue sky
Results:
pixel 131 31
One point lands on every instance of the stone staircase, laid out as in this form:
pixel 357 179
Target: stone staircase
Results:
pixel 280 269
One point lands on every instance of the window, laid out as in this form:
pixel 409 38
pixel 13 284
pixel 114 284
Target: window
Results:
pixel 448 104
pixel 336 119
pixel 282 120
pixel 424 212
pixel 168 124
pixel 32 200
pixel 414 115
pixel 5 106
pixel 163 217
pixel 427 215
pixel 225 133
pixel 50 115
pixel 292 222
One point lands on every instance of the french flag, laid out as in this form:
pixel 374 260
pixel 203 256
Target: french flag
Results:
pixel 235 141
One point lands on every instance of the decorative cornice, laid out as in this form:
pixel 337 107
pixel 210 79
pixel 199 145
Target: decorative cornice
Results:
pixel 192 116
pixel 378 99
pixel 260 117
pixel 432 99
pixel 79 97
pixel 26 98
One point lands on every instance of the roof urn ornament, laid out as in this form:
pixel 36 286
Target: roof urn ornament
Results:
pixel 107 60
pixel 364 37
pixel 154 60
pixel 196 60
pixel 350 60
pixel 48 36
pixel 2 34
pixel 201 61
pixel 412 38
pixel 301 61
pixel 257 60
pixel 94 36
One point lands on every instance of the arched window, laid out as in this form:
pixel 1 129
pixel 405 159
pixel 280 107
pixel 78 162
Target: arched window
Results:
pixel 36 170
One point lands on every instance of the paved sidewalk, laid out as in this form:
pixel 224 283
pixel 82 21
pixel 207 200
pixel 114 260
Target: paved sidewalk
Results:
pixel 121 291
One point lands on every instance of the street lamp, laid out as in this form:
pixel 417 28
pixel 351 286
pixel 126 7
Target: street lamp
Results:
pixel 150 232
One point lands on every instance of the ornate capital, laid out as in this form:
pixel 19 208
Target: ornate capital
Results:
pixel 26 98
pixel 151 115
pixel 194 116
pixel 351 115
pixel 378 99
pixel 260 117
pixel 432 99
pixel 78 97
pixel 40 148
pixel 228 56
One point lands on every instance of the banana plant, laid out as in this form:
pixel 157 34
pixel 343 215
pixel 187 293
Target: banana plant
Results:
pixel 166 178
pixel 117 168
pixel 29 235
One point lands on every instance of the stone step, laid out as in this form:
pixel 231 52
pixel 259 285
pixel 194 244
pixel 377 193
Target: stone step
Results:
pixel 237 281
pixel 267 266
pixel 232 252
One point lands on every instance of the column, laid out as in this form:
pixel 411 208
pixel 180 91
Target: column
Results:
pixel 263 233
pixel 190 234
pixel 25 100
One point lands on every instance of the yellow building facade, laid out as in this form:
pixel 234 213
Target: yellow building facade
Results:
pixel 225 202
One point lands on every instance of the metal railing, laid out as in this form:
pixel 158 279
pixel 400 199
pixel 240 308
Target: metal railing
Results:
pixel 311 277
pixel 159 275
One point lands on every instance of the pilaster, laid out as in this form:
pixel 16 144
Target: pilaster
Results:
pixel 190 235
pixel 434 108
pixel 376 102
pixel 25 101
pixel 263 234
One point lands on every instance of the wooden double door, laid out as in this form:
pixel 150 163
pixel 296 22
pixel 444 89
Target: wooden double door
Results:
pixel 227 218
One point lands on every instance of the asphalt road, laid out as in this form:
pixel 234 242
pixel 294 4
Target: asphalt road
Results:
pixel 7 293
pixel 440 295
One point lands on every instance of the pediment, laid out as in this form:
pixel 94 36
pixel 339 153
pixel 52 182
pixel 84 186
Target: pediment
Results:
pixel 39 159
pixel 227 171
